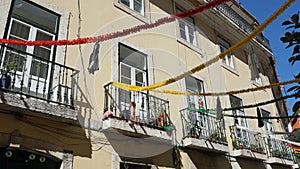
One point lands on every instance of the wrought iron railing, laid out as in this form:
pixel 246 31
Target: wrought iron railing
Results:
pixel 201 124
pixel 242 23
pixel 138 107
pixel 246 139
pixel 280 149
pixel 36 77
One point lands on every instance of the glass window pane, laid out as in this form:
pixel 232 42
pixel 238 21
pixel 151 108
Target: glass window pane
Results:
pixel 195 86
pixel 42 52
pixel 35 15
pixel 125 80
pixel 132 57
pixel 138 6
pixel 19 30
pixel 125 2
pixel 125 71
pixel 182 30
pixel 139 78
pixel 14 61
pixel 39 68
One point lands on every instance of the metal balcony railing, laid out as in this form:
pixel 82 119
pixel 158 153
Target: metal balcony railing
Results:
pixel 36 77
pixel 242 23
pixel 202 125
pixel 280 149
pixel 245 139
pixel 138 107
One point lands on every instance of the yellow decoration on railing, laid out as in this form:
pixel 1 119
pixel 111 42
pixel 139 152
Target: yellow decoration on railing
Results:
pixel 258 30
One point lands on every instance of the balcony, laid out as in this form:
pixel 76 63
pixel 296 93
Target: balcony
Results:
pixel 202 131
pixel 137 124
pixel 280 152
pixel 247 143
pixel 242 23
pixel 33 78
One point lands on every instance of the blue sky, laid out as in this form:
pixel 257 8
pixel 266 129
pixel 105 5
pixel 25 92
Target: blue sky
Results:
pixel 262 9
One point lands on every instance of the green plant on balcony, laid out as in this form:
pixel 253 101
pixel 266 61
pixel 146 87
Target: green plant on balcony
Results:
pixel 216 135
pixel 280 154
pixel 253 147
pixel 256 148
pixel 236 144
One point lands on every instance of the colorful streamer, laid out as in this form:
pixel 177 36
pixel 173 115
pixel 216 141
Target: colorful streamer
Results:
pixel 117 34
pixel 119 85
pixel 211 61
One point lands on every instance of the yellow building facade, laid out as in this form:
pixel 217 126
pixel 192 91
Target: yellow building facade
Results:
pixel 60 109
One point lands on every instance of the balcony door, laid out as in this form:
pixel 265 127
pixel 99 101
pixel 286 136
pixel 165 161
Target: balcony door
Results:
pixel 242 134
pixel 30 64
pixel 198 119
pixel 273 145
pixel 133 71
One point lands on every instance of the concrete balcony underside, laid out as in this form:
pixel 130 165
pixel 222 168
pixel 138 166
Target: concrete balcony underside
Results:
pixel 281 161
pixel 136 129
pixel 207 145
pixel 248 154
pixel 136 141
pixel 18 104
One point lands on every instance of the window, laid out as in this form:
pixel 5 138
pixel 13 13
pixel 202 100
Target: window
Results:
pixel 194 85
pixel 187 30
pixel 237 102
pixel 242 134
pixel 269 128
pixel 267 122
pixel 136 5
pixel 133 71
pixel 30 22
pixel 228 60
pixel 197 118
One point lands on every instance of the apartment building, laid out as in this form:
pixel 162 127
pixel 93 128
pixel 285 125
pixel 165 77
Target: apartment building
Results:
pixel 58 113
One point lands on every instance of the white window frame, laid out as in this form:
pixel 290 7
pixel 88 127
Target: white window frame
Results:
pixel 30 49
pixel 228 60
pixel 199 119
pixel 194 98
pixel 131 6
pixel 189 28
pixel 141 109
pixel 240 121
pixel 187 24
pixel 133 71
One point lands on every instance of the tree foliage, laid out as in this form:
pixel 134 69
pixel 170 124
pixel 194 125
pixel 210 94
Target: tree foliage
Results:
pixel 292 39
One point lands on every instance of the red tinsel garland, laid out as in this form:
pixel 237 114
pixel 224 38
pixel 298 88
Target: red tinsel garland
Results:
pixel 124 32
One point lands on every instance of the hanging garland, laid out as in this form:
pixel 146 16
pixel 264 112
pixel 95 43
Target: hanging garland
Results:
pixel 212 111
pixel 258 30
pixel 117 34
pixel 218 93
pixel 261 103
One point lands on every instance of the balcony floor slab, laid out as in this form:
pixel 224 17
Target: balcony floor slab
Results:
pixel 206 145
pixel 248 154
pixel 281 161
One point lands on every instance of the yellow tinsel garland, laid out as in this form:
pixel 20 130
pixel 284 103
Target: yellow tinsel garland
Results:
pixel 258 30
